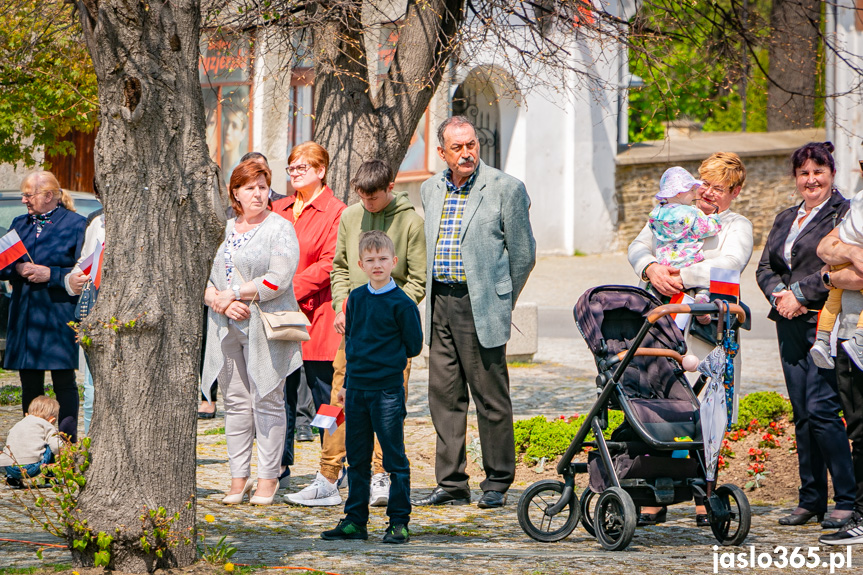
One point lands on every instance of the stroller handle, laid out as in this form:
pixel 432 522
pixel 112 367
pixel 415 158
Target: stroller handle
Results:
pixel 697 309
pixel 652 352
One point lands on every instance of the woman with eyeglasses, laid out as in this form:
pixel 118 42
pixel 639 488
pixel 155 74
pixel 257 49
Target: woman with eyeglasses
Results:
pixel 722 175
pixel 38 338
pixel 789 274
pixel 315 213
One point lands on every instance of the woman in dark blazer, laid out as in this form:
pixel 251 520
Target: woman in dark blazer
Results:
pixel 38 337
pixel 789 274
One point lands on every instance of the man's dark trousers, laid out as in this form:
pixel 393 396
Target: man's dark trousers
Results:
pixel 457 362
pixel 849 380
pixel 821 440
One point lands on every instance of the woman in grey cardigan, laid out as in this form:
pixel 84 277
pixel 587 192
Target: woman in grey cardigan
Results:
pixel 255 263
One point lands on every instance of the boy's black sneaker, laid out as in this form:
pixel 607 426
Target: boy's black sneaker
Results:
pixel 851 534
pixel 346 530
pixel 397 533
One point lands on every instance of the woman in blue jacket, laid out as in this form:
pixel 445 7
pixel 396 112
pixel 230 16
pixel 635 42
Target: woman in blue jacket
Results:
pixel 38 337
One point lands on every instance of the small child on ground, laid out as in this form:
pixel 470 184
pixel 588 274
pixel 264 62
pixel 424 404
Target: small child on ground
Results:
pixel 850 230
pixel 679 227
pixel 32 442
pixel 382 330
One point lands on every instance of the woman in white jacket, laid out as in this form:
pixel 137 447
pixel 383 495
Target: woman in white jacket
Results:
pixel 94 243
pixel 723 175
pixel 255 263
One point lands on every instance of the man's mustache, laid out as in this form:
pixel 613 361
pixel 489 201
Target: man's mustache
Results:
pixel 462 161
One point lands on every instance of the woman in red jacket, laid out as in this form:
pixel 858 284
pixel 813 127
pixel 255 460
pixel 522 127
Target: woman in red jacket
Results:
pixel 315 213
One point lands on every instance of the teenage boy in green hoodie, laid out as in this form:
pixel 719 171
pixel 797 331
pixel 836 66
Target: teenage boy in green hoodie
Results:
pixel 379 209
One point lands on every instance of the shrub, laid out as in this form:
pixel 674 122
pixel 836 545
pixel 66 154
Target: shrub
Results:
pixel 538 437
pixel 10 395
pixel 523 429
pixel 763 406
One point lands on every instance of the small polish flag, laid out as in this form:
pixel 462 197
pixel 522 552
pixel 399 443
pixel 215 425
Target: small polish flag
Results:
pixel 96 271
pixel 681 319
pixel 87 263
pixel 725 283
pixel 11 249
pixel 329 417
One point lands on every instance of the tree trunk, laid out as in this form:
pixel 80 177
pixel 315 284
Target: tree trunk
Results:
pixel 161 192
pixel 351 124
pixel 793 68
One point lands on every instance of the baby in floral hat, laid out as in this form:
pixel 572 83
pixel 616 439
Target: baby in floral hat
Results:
pixel 679 227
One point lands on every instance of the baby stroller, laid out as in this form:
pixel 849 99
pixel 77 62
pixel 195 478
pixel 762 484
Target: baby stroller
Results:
pixel 656 457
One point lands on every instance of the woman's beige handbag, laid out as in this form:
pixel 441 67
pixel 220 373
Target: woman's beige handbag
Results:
pixel 286 325
pixel 283 325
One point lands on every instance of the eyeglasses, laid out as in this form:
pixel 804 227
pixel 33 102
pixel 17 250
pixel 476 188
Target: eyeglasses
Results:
pixel 707 186
pixel 29 196
pixel 299 169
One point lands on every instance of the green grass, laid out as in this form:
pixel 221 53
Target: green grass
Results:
pixel 11 394
pixel 522 363
pixel 579 253
pixel 56 567
pixel 216 431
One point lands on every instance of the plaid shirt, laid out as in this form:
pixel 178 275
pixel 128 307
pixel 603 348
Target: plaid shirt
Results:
pixel 448 266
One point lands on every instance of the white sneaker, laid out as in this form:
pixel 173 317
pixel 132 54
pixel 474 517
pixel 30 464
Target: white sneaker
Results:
pixel 380 492
pixel 320 493
pixel 820 353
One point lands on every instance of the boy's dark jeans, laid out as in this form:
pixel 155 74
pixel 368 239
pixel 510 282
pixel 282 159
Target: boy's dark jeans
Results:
pixel 31 469
pixel 383 413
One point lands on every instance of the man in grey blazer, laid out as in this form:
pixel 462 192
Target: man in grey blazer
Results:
pixel 480 251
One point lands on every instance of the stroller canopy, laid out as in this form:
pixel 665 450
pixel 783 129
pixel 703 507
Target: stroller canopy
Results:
pixel 609 318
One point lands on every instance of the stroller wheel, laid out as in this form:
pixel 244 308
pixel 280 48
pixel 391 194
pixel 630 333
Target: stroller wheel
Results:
pixel 615 519
pixel 588 506
pixel 729 515
pixel 533 509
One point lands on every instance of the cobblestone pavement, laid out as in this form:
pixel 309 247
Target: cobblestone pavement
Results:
pixel 449 539
pixel 461 539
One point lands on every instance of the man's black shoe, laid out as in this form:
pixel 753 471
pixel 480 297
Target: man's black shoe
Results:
pixel 305 433
pixel 14 482
pixel 397 534
pixel 346 530
pixel 491 500
pixel 441 497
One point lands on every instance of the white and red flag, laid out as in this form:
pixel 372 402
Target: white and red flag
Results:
pixel 725 282
pixel 681 319
pixel 11 249
pixel 96 274
pixel 329 417
pixel 92 265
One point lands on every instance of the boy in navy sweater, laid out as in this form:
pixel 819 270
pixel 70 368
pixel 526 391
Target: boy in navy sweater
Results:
pixel 382 330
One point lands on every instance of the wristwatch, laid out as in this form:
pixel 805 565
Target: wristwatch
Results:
pixel 236 290
pixel 825 278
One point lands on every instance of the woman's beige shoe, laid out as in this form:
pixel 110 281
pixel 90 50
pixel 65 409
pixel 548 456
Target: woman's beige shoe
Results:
pixel 262 500
pixel 237 498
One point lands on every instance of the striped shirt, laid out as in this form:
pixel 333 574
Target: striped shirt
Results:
pixel 448 266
